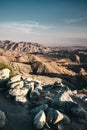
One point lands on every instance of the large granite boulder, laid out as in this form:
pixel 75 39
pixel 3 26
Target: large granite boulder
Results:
pixel 64 103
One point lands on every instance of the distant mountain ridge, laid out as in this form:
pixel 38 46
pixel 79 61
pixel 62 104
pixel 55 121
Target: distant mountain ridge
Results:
pixel 26 47
pixel 35 48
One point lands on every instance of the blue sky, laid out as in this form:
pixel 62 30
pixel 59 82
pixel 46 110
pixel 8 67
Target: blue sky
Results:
pixel 51 22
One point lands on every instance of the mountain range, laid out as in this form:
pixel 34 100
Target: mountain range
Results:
pixel 66 63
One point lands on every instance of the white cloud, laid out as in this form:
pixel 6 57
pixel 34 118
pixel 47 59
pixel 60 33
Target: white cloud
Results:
pixel 41 33
pixel 25 26
pixel 26 31
pixel 75 20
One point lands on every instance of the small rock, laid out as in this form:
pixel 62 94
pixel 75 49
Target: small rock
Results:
pixel 54 116
pixel 21 99
pixel 36 84
pixel 40 120
pixel 82 71
pixel 56 85
pixel 74 92
pixel 2 119
pixel 4 73
pixel 28 79
pixel 30 85
pixel 66 89
pixel 60 126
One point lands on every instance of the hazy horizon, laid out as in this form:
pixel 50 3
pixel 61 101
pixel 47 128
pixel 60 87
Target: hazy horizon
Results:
pixel 49 22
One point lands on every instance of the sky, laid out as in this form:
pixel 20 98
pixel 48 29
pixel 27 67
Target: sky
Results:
pixel 50 22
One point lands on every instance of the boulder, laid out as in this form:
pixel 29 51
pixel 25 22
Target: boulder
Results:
pixel 78 111
pixel 63 102
pixel 84 98
pixel 15 78
pixel 18 92
pixel 39 88
pixel 4 73
pixel 54 116
pixel 77 58
pixel 82 72
pixel 40 120
pixel 2 119
pixel 62 97
pixel 71 109
pixel 17 85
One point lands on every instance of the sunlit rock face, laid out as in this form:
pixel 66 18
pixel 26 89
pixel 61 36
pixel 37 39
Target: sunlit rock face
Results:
pixel 40 120
pixel 4 73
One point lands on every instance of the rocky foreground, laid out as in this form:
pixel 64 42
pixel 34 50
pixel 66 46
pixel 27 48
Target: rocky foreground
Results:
pixel 27 105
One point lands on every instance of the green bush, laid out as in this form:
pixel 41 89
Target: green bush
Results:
pixel 2 66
